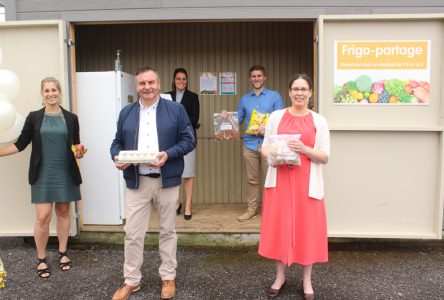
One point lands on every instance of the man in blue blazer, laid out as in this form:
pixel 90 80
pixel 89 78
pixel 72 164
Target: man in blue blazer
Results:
pixel 157 125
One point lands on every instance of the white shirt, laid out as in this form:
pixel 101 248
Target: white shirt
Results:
pixel 148 140
pixel 179 96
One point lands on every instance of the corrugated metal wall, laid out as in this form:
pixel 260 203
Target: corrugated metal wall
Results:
pixel 282 47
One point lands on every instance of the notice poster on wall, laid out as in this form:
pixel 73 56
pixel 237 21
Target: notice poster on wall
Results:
pixel 208 83
pixel 382 72
pixel 227 83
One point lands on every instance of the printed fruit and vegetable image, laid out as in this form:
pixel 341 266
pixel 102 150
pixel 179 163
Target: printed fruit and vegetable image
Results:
pixel 393 91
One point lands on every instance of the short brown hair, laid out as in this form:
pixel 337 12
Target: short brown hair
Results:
pixel 258 68
pixel 300 76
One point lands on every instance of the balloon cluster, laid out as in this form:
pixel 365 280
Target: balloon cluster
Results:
pixel 11 122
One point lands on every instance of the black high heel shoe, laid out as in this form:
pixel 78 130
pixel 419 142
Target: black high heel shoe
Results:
pixel 67 265
pixel 187 217
pixel 179 209
pixel 45 272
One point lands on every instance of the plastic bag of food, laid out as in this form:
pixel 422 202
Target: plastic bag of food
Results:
pixel 256 120
pixel 226 127
pixel 278 151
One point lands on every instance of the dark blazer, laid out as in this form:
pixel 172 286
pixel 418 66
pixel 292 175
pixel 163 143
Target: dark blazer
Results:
pixel 175 137
pixel 190 101
pixel 31 133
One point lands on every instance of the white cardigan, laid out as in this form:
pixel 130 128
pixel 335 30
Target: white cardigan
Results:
pixel 322 142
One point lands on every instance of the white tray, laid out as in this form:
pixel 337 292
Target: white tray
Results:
pixel 137 157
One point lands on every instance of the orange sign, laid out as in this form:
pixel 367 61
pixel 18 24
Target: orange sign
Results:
pixel 377 55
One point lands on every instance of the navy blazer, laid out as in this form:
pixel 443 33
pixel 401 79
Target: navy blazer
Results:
pixel 31 133
pixel 190 101
pixel 175 137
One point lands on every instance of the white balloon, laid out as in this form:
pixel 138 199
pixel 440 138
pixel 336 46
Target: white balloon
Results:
pixel 13 133
pixel 7 115
pixel 9 85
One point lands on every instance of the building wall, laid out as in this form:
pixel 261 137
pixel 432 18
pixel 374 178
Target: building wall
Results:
pixel 282 47
pixel 204 10
pixel 102 10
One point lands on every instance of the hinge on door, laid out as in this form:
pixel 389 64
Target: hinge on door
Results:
pixel 69 42
pixel 316 40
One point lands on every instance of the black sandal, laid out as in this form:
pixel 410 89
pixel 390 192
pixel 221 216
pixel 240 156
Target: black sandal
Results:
pixel 63 265
pixel 43 273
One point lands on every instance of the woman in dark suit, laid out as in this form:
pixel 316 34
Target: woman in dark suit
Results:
pixel 53 172
pixel 190 101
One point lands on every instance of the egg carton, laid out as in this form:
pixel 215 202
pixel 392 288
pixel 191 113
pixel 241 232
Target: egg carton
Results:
pixel 137 157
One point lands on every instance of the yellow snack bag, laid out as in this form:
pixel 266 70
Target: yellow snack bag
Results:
pixel 257 119
pixel 2 275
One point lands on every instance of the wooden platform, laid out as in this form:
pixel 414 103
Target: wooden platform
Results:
pixel 207 218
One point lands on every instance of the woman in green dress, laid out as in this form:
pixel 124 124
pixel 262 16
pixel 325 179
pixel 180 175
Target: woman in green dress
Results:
pixel 53 171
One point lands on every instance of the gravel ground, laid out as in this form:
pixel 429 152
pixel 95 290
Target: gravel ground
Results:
pixel 358 269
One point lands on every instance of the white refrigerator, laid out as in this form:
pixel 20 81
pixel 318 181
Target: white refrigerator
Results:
pixel 100 97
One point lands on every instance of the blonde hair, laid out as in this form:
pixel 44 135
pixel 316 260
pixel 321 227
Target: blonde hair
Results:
pixel 55 82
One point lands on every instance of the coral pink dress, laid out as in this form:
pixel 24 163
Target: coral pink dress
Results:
pixel 294 226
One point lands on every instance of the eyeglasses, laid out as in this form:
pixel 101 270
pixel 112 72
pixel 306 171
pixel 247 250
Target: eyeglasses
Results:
pixel 302 90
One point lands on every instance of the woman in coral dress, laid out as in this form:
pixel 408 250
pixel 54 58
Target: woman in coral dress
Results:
pixel 294 226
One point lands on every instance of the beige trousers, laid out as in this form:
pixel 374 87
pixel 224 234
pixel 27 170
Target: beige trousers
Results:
pixel 138 206
pixel 256 167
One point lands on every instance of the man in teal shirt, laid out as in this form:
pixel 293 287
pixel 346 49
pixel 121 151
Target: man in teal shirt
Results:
pixel 263 101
